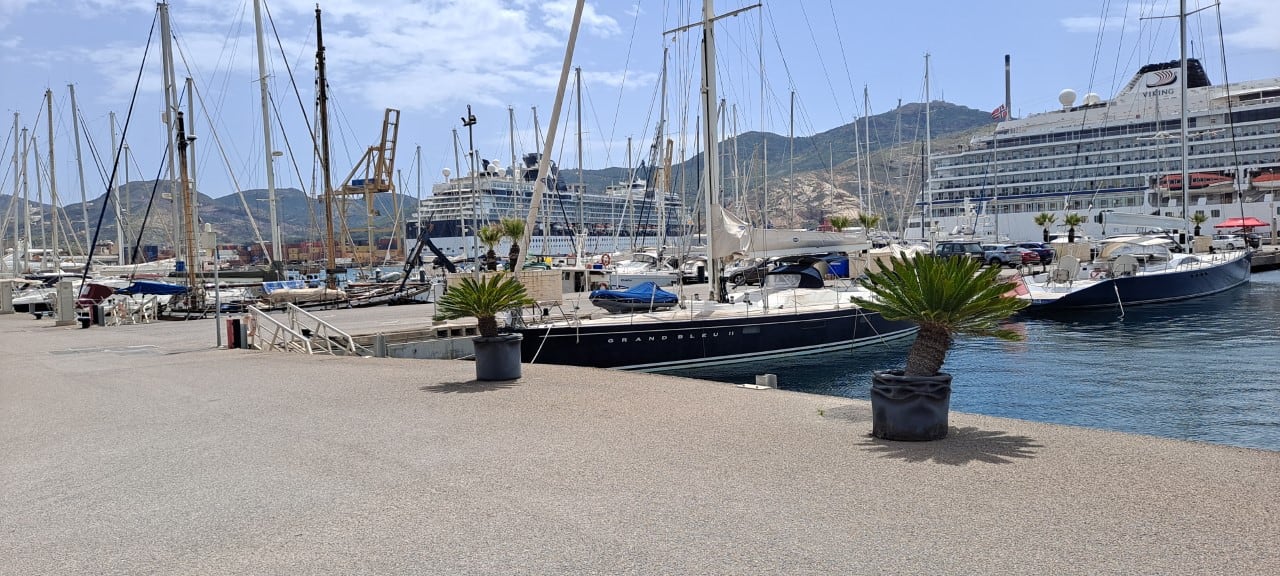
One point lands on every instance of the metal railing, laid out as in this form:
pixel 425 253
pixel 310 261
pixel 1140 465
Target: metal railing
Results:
pixel 267 333
pixel 321 332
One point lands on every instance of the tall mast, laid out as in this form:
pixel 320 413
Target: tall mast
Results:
pixel 660 194
pixel 711 176
pixel 53 184
pixel 266 130
pixel 791 143
pixel 544 162
pixel 322 102
pixel 1182 50
pixel 115 193
pixel 188 224
pixel 84 202
pixel 44 238
pixel 928 153
pixel 511 122
pixel 191 200
pixel 26 200
pixel 579 234
pixel 170 106
pixel 17 172
pixel 866 135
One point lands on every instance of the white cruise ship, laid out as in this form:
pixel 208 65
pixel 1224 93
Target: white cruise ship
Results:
pixel 1121 155
pixel 621 218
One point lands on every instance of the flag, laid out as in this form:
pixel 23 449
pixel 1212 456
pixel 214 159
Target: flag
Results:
pixel 1000 113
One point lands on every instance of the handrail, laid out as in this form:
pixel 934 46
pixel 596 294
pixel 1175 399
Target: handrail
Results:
pixel 324 330
pixel 275 335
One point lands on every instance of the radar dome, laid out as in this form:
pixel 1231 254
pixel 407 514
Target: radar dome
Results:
pixel 1092 98
pixel 1067 97
pixel 446 172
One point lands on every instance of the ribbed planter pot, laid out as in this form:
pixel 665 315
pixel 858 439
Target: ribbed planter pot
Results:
pixel 909 408
pixel 498 358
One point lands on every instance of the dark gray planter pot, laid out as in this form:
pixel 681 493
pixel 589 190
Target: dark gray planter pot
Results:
pixel 909 408
pixel 498 358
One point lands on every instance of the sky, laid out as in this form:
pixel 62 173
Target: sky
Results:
pixel 431 59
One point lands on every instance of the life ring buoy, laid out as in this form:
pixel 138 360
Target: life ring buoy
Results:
pixel 602 285
pixel 605 259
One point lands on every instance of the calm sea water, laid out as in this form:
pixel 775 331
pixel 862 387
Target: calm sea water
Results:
pixel 1206 369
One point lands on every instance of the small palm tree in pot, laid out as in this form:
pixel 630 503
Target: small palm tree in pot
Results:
pixel 1044 220
pixel 513 229
pixel 1199 218
pixel 1071 221
pixel 944 297
pixel 490 236
pixel 839 223
pixel 497 355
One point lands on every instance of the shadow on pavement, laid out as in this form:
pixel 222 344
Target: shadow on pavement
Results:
pixel 469 386
pixel 961 446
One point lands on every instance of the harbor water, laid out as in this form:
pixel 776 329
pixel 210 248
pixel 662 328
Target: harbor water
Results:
pixel 1205 369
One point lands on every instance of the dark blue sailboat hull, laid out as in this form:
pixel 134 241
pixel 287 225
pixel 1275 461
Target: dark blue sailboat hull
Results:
pixel 1168 287
pixel 676 344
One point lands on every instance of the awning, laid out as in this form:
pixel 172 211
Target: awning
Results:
pixel 1249 222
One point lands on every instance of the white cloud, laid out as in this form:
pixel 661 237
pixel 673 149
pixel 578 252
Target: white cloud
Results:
pixel 9 10
pixel 558 15
pixel 1252 24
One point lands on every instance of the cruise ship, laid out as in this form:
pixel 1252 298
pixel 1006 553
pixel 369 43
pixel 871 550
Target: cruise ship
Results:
pixel 620 218
pixel 1121 155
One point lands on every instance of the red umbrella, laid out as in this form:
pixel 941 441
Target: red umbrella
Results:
pixel 1249 222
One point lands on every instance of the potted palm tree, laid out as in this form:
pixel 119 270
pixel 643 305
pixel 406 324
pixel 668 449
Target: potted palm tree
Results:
pixel 944 297
pixel 490 236
pixel 1071 221
pixel 1198 218
pixel 839 223
pixel 497 355
pixel 513 229
pixel 1045 220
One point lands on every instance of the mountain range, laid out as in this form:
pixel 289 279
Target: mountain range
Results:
pixel 825 176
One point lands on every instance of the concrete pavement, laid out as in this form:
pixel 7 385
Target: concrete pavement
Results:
pixel 141 449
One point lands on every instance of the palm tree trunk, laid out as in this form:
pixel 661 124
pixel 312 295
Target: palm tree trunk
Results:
pixel 488 327
pixel 928 352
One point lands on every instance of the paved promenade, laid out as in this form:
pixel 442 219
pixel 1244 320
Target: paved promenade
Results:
pixel 143 450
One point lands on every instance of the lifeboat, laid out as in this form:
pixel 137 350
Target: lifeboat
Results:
pixel 1199 180
pixel 1266 181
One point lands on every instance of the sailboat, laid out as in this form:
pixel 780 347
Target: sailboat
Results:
pixel 1142 268
pixel 793 313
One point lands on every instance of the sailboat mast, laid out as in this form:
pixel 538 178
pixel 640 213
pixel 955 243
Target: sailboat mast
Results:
pixel 26 199
pixel 544 163
pixel 84 202
pixel 928 153
pixel 866 135
pixel 322 102
pixel 711 175
pixel 1182 46
pixel 580 234
pixel 266 130
pixel 115 194
pixel 188 224
pixel 170 106
pixel 53 184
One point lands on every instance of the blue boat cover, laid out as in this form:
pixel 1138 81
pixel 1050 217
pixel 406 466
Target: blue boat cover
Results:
pixel 152 287
pixel 642 293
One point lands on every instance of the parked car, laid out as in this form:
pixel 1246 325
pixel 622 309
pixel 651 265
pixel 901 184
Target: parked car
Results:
pixel 1228 242
pixel 953 248
pixel 1044 251
pixel 1008 255
pixel 750 272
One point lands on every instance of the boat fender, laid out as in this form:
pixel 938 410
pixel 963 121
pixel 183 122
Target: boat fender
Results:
pixel 605 259
pixel 602 285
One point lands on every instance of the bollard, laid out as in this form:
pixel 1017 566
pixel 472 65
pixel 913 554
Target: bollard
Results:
pixel 66 304
pixel 6 298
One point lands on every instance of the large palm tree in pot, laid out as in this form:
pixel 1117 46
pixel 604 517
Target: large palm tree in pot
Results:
pixel 1071 221
pixel 945 297
pixel 490 236
pixel 497 355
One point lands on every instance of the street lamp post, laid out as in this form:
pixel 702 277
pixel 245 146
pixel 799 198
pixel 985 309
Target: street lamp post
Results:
pixel 470 120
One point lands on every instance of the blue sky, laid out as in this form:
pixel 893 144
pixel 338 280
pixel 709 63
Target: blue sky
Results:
pixel 432 58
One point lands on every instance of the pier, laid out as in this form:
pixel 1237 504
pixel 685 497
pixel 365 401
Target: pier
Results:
pixel 143 448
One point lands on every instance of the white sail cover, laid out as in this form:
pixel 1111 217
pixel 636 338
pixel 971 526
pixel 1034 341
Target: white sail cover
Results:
pixel 736 238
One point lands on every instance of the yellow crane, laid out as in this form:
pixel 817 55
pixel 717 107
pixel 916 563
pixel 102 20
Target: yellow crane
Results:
pixel 373 174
